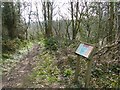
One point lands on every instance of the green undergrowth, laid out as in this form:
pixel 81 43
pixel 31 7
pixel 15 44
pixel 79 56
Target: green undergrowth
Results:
pixel 58 68
pixel 10 58
pixel 22 49
pixel 46 72
pixel 55 66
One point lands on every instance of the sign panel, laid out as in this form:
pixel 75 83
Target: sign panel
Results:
pixel 84 50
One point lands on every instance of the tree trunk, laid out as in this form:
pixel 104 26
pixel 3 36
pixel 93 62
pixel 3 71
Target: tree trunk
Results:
pixel 118 32
pixel 72 16
pixel 48 10
pixel 45 18
pixel 74 27
pixel 111 32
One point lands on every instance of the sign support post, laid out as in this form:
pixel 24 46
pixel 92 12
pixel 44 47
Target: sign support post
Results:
pixel 77 70
pixel 88 73
pixel 84 50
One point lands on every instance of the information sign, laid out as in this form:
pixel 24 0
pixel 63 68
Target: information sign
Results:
pixel 84 50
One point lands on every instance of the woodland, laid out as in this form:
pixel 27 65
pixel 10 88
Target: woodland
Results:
pixel 39 39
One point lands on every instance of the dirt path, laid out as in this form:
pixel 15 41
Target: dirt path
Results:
pixel 17 74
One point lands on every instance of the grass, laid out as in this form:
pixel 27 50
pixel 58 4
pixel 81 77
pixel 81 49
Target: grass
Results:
pixel 45 72
pixel 10 59
pixel 56 68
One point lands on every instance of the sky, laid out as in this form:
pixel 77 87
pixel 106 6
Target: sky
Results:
pixel 61 7
pixel 66 0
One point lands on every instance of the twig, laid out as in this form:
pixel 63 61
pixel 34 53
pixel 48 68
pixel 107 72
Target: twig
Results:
pixel 108 46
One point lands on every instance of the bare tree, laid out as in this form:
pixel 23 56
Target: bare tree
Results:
pixel 38 18
pixel 72 16
pixel 48 14
pixel 111 30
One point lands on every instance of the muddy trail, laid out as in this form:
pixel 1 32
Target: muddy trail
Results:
pixel 22 69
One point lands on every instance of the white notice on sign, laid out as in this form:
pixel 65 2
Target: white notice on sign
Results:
pixel 84 50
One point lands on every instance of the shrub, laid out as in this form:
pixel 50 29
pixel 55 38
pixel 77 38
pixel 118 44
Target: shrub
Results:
pixel 51 44
pixel 9 46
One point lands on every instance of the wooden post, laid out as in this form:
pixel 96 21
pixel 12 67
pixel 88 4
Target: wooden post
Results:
pixel 85 50
pixel 88 73
pixel 77 70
